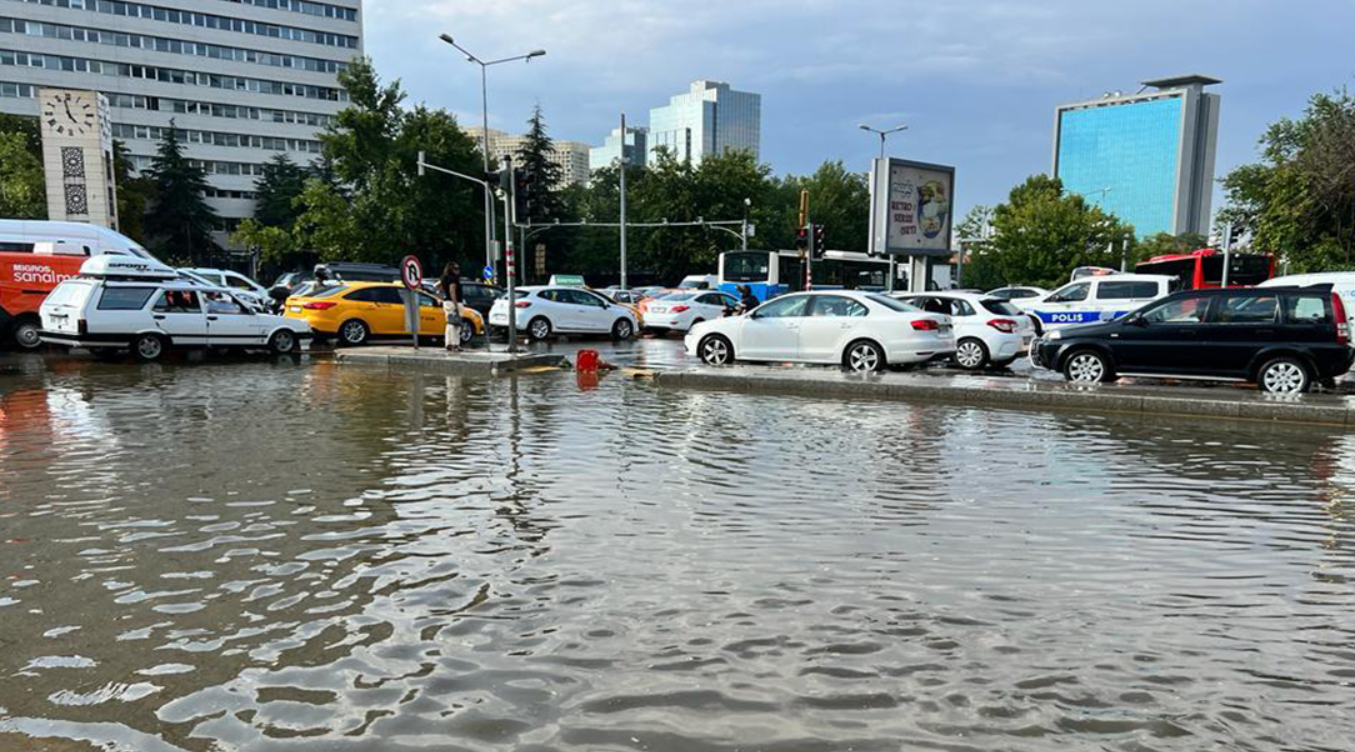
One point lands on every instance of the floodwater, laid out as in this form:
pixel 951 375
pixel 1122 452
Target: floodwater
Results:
pixel 266 555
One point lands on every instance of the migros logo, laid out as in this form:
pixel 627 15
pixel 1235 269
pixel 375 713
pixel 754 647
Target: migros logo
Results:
pixel 36 274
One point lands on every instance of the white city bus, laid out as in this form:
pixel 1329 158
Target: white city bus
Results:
pixel 772 273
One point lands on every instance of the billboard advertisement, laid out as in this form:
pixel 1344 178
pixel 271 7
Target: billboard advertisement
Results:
pixel 912 208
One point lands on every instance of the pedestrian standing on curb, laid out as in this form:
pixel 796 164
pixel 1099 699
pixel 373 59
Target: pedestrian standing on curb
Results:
pixel 450 287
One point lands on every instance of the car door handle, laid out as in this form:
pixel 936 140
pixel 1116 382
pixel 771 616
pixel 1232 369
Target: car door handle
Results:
pixel 211 318
pixel 792 326
pixel 158 317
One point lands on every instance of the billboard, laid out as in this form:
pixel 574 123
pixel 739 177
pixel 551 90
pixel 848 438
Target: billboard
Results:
pixel 912 208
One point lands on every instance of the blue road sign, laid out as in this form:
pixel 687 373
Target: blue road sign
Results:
pixel 489 272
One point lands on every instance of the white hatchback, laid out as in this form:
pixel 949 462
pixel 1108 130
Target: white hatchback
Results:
pixel 545 311
pixel 988 331
pixel 862 331
pixel 120 303
pixel 681 311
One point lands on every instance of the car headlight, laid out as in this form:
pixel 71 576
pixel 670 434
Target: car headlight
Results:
pixel 1055 336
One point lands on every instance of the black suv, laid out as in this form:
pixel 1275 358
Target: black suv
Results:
pixel 1281 338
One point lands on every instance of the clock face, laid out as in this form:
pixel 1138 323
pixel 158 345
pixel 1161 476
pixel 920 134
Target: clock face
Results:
pixel 70 115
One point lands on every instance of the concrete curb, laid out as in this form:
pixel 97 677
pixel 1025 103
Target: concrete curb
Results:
pixel 473 363
pixel 1171 402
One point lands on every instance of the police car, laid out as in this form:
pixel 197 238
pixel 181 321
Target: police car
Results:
pixel 1093 299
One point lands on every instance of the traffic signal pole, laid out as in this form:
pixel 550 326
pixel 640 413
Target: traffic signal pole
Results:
pixel 805 252
pixel 623 202
pixel 509 215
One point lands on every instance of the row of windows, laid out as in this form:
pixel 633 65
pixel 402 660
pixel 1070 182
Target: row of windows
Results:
pixel 210 109
pixel 141 162
pixel 174 46
pixel 18 91
pixel 204 20
pixel 304 6
pixel 217 138
pixel 169 75
pixel 223 193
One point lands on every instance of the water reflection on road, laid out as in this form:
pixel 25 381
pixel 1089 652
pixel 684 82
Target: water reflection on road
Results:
pixel 280 555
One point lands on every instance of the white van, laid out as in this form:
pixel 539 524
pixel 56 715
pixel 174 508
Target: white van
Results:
pixel 120 303
pixel 1342 283
pixel 1092 299
pixel 699 282
pixel 67 239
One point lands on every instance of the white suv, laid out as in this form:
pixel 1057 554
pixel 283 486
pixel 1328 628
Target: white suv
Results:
pixel 120 303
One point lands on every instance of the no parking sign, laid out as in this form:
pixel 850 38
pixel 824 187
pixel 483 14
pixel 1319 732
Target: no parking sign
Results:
pixel 411 271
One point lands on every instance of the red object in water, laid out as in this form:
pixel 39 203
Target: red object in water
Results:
pixel 588 360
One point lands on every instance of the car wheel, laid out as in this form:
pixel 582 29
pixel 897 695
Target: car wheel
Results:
pixel 148 348
pixel 466 331
pixel 864 357
pixel 539 328
pixel 971 354
pixel 353 332
pixel 283 342
pixel 27 334
pixel 1283 376
pixel 715 350
pixel 1086 367
pixel 623 329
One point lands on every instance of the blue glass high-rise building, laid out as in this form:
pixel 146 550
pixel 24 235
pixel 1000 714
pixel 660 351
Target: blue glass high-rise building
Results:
pixel 711 118
pixel 1147 158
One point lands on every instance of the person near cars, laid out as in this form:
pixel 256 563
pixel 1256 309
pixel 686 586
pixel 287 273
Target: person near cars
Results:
pixel 450 287
pixel 747 300
pixel 321 274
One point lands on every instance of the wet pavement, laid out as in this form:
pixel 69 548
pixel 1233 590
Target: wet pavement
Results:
pixel 269 554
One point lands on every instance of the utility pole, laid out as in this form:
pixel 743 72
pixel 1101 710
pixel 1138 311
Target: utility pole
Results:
pixel 805 253
pixel 623 202
pixel 1227 250
pixel 509 212
pixel 743 233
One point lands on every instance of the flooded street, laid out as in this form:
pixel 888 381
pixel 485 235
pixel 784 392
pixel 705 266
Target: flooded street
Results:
pixel 260 555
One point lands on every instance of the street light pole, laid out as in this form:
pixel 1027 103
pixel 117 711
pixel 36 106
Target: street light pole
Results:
pixel 623 202
pixel 484 133
pixel 883 134
pixel 747 202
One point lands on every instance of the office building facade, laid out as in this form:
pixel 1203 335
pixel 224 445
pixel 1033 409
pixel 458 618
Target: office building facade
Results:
pixel 635 145
pixel 571 156
pixel 711 118
pixel 242 80
pixel 1147 158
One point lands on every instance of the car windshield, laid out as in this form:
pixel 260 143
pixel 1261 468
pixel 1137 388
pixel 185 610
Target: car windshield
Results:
pixel 679 296
pixel 1000 307
pixel 893 305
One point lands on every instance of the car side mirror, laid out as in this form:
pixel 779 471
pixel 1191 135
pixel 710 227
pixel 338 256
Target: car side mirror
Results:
pixel 1136 319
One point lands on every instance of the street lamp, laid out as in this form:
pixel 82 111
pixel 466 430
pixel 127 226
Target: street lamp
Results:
pixel 883 134
pixel 484 140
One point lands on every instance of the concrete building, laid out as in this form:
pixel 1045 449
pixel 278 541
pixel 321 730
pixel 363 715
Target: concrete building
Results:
pixel 572 156
pixel 711 118
pixel 636 147
pixel 1148 157
pixel 243 80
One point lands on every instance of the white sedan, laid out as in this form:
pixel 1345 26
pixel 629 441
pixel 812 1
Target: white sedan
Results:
pixel 681 311
pixel 862 331
pixel 988 331
pixel 546 311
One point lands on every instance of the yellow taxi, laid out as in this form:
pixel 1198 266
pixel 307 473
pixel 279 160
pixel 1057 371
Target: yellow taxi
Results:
pixel 353 312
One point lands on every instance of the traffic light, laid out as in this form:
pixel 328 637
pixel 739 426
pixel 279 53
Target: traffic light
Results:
pixel 524 195
pixel 817 243
pixel 802 239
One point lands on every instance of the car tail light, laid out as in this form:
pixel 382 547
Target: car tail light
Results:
pixel 1006 326
pixel 925 325
pixel 319 305
pixel 679 309
pixel 523 304
pixel 1338 310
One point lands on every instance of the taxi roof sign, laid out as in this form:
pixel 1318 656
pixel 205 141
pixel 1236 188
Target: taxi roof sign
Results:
pixel 112 265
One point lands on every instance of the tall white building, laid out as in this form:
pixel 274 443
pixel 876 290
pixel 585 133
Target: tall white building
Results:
pixel 572 156
pixel 243 80
pixel 711 118
pixel 635 144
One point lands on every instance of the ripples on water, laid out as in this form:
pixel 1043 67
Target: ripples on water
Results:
pixel 273 556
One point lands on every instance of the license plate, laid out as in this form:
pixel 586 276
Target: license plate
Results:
pixel 658 310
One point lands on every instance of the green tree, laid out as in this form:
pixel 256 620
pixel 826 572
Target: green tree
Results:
pixel 534 157
pixel 23 192
pixel 135 193
pixel 1299 200
pixel 1042 233
pixel 838 199
pixel 981 268
pixel 179 222
pixel 276 192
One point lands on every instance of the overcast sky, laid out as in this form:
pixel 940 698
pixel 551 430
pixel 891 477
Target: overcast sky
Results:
pixel 975 80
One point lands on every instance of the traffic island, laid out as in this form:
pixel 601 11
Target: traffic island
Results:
pixel 1027 394
pixel 466 362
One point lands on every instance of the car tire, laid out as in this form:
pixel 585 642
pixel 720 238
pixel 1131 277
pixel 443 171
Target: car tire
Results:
pixel 539 328
pixel 149 348
pixel 1087 367
pixel 353 333
pixel 1284 376
pixel 971 354
pixel 623 330
pixel 715 350
pixel 283 342
pixel 466 332
pixel 864 356
pixel 27 333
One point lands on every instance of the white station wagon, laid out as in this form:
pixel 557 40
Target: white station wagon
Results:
pixel 119 303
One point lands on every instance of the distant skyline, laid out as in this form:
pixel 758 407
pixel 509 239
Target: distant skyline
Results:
pixel 976 82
